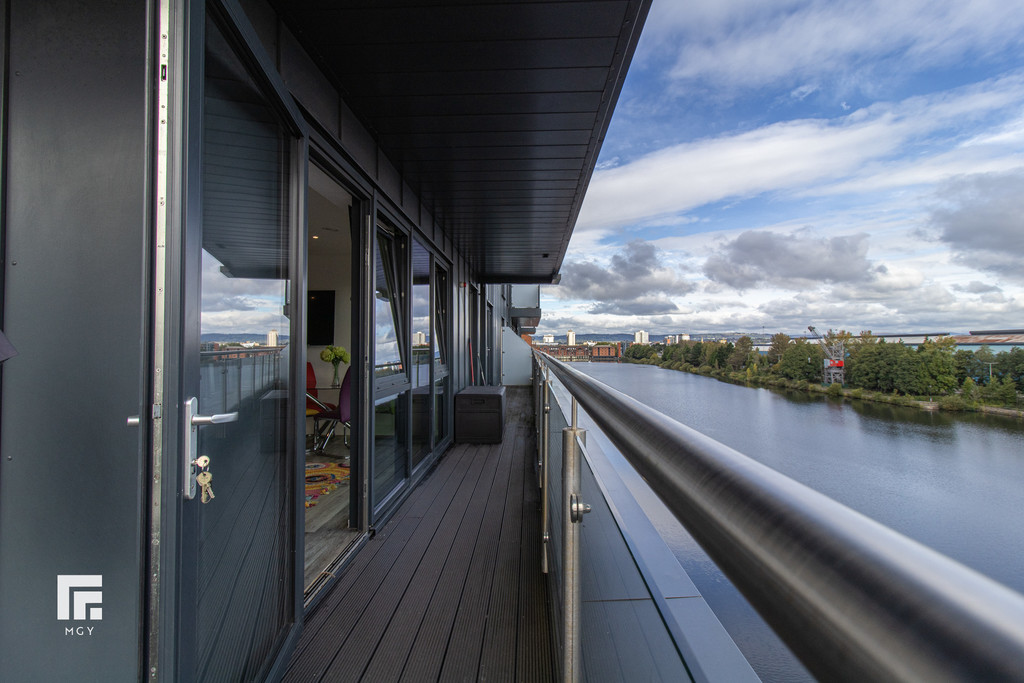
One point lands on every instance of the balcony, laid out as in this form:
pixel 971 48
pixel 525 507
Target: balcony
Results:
pixel 450 588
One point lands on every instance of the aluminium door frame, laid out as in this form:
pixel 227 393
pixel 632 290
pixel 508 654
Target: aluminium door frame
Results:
pixel 324 154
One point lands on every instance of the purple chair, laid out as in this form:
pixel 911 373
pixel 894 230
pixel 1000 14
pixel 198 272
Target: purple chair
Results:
pixel 326 422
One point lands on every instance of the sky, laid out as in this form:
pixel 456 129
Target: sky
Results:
pixel 774 164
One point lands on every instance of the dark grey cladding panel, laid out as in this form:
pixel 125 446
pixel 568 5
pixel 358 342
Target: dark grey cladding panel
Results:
pixel 308 84
pixel 72 472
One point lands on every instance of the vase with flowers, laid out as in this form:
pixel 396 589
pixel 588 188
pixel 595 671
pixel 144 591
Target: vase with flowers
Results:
pixel 335 355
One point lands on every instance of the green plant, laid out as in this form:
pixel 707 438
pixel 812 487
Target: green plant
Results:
pixel 954 403
pixel 335 355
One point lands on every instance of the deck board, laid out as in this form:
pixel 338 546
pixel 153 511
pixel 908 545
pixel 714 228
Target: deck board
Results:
pixel 450 588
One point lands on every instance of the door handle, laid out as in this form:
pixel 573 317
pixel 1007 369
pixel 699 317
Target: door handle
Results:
pixel 192 423
pixel 214 419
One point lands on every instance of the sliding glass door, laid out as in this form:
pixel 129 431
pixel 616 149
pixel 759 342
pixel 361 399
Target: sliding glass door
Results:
pixel 412 384
pixel 236 581
pixel 392 381
pixel 422 349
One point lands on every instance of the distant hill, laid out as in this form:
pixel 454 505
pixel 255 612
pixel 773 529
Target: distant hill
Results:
pixel 243 337
pixel 655 338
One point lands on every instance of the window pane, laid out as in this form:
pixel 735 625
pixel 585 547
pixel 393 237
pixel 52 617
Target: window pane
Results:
pixel 421 326
pixel 421 352
pixel 388 359
pixel 442 292
pixel 389 444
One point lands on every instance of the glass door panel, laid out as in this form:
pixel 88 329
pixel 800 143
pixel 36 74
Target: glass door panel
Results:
pixel 391 371
pixel 387 312
pixel 390 444
pixel 421 352
pixel 240 605
pixel 442 335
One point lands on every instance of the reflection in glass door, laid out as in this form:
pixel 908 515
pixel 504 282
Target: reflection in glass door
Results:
pixel 391 371
pixel 238 582
pixel 421 352
pixel 442 380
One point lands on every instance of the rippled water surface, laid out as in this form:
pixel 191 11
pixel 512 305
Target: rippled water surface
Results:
pixel 953 482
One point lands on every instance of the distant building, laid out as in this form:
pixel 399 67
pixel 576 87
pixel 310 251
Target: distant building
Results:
pixel 575 352
pixel 272 338
pixel 419 339
pixel 605 352
pixel 571 338
pixel 641 337
pixel 548 339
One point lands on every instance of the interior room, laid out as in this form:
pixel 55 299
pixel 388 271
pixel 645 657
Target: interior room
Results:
pixel 328 397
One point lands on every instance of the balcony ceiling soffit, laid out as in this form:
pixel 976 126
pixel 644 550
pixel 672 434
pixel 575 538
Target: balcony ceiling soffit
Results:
pixel 493 113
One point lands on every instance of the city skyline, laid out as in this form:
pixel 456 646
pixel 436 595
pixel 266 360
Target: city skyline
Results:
pixel 853 165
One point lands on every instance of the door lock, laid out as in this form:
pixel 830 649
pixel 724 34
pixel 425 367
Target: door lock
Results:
pixel 191 425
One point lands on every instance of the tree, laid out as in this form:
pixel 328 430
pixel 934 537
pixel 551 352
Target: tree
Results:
pixel 970 392
pixel 694 353
pixel 720 357
pixel 856 345
pixel 874 366
pixel 780 342
pixel 802 361
pixel 1002 391
pixel 640 352
pixel 740 355
pixel 672 353
pixel 985 356
pixel 967 366
pixel 1011 364
pixel 911 377
pixel 938 365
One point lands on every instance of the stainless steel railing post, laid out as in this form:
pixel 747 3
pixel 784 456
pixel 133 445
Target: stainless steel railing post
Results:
pixel 545 438
pixel 573 510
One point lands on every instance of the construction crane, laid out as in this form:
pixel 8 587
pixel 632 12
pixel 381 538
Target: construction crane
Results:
pixel 835 357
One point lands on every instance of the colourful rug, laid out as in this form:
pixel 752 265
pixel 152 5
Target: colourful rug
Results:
pixel 322 478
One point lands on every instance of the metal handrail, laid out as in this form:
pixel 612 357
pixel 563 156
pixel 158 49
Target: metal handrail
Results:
pixel 852 598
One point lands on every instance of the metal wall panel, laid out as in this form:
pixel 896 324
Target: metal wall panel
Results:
pixel 71 471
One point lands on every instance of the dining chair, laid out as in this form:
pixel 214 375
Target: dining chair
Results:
pixel 325 423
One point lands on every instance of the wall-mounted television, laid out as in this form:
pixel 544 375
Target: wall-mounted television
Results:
pixel 320 317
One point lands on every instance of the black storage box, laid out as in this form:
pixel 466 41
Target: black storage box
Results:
pixel 479 415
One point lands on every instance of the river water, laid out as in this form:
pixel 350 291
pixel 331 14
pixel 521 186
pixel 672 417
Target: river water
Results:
pixel 953 482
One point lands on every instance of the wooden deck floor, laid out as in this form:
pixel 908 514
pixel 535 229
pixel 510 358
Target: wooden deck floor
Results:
pixel 450 588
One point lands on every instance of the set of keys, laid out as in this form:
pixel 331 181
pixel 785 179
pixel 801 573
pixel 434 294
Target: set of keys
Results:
pixel 203 478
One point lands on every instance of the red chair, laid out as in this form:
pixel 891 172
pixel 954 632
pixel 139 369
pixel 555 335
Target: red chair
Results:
pixel 313 403
pixel 326 422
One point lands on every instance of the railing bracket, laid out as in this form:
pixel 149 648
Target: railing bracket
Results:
pixel 577 509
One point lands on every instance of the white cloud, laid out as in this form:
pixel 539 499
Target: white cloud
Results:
pixel 749 44
pixel 857 152
pixel 877 205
